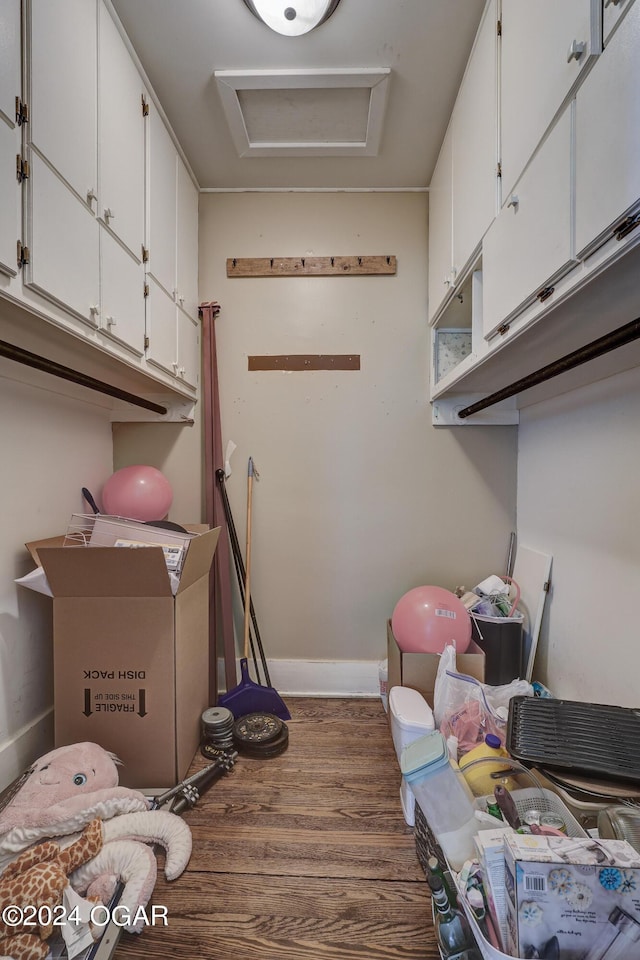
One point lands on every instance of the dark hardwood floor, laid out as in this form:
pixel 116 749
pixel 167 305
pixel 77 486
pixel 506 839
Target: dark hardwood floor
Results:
pixel 305 855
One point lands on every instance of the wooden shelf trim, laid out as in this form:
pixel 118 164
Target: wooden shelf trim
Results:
pixel 311 266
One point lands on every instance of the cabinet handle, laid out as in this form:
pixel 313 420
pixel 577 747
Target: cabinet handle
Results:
pixel 576 50
pixel 175 366
pixel 607 3
pixel 94 310
pixel 514 201
pixel 91 196
pixel 108 214
pixel 182 371
pixel 110 321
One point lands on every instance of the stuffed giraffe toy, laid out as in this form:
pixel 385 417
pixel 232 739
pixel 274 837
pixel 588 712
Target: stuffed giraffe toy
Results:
pixel 37 879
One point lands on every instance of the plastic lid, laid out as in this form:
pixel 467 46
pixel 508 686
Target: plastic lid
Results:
pixel 493 741
pixel 424 756
pixel 410 707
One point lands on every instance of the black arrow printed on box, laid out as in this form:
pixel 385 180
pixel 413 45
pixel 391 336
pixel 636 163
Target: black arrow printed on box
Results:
pixel 142 702
pixel 87 702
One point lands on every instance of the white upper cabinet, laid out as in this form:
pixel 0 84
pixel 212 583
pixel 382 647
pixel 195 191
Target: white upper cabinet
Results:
pixel 463 193
pixel 162 212
pixel 529 243
pixel 189 350
pixel 122 313
pixel 441 278
pixel 187 242
pixel 614 11
pixel 9 59
pixel 162 329
pixel 63 90
pixel 475 145
pixel 608 137
pixel 10 137
pixel 120 138
pixel 546 46
pixel 64 263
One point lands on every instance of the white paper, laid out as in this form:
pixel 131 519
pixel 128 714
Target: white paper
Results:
pixel 36 580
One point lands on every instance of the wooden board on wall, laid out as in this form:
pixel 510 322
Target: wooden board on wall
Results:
pixel 311 266
pixel 306 361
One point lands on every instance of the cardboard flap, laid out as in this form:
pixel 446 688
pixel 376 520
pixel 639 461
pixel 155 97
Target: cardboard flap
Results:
pixel 199 558
pixel 105 571
pixel 34 546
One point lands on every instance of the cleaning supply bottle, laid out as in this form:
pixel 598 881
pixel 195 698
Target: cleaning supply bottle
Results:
pixel 479 775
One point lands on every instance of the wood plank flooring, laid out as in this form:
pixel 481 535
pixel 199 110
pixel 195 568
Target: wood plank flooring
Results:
pixel 300 856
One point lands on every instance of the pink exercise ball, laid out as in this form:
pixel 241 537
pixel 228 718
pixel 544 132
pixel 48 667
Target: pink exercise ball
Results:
pixel 426 619
pixel 138 492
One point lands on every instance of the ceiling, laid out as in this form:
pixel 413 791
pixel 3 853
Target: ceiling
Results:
pixel 423 43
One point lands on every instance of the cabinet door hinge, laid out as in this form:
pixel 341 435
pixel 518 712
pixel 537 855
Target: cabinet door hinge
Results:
pixel 499 170
pixel 145 106
pixel 145 290
pixel 22 254
pixel 145 254
pixel 22 168
pixel 626 226
pixel 545 293
pixel 146 343
pixel 499 27
pixel 22 112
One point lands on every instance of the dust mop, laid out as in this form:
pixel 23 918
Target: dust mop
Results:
pixel 247 696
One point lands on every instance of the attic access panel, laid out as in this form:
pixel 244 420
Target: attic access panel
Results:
pixel 305 113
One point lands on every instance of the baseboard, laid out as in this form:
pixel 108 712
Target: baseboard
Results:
pixel 25 746
pixel 319 678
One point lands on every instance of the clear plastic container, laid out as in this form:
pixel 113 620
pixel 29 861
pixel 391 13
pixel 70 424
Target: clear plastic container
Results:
pixel 443 794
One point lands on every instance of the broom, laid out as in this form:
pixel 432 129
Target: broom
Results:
pixel 247 696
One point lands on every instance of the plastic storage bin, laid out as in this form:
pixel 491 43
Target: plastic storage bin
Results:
pixel 411 718
pixel 443 794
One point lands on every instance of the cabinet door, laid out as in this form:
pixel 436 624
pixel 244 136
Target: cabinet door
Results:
pixel 538 72
pixel 187 242
pixel 614 11
pixel 161 329
pixel 64 244
pixel 608 137
pixel 440 235
pixel 63 74
pixel 529 243
pixel 122 314
pixel 121 139
pixel 10 86
pixel 10 145
pixel 10 230
pixel 189 357
pixel 475 144
pixel 162 200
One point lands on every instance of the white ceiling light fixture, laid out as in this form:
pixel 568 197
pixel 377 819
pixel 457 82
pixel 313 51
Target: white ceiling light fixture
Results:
pixel 295 18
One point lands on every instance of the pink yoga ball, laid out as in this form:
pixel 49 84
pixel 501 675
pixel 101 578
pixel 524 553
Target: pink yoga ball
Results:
pixel 138 492
pixel 426 619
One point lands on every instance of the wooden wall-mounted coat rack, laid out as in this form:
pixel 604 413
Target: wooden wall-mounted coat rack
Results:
pixel 384 266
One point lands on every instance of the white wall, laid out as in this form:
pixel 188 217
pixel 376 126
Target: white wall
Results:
pixel 578 468
pixel 359 497
pixel 52 445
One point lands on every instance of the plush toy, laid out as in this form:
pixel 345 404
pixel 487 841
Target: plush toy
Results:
pixel 33 885
pixel 72 789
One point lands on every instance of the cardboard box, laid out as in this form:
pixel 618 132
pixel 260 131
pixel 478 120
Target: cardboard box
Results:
pixel 131 660
pixel 419 670
pixel 579 892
